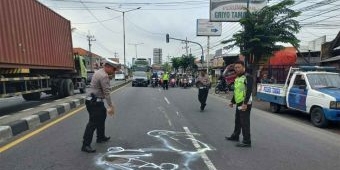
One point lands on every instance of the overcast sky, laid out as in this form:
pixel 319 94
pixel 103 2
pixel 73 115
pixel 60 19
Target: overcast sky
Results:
pixel 148 26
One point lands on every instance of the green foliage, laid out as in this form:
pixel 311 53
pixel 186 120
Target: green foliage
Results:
pixel 166 67
pixel 184 62
pixel 176 63
pixel 265 28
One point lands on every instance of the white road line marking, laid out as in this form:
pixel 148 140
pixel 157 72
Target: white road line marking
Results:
pixel 169 123
pixel 26 110
pixel 160 108
pixel 44 104
pixel 204 156
pixel 166 100
pixel 177 113
pixel 2 117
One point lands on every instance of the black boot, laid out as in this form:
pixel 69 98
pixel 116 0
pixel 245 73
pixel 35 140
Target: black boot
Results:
pixel 104 139
pixel 232 138
pixel 87 149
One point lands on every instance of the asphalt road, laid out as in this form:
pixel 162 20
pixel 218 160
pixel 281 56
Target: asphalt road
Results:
pixel 156 129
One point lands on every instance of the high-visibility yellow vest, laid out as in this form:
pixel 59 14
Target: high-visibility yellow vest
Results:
pixel 165 76
pixel 240 89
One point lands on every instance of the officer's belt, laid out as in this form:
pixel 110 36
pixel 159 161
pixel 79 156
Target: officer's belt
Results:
pixel 98 99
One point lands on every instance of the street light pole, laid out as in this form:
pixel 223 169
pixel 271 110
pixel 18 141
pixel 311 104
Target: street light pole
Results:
pixel 136 47
pixel 124 35
pixel 123 12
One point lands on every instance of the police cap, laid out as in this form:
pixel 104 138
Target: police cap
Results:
pixel 111 63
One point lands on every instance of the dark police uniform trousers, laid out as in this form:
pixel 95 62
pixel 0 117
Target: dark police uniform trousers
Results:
pixel 203 95
pixel 97 116
pixel 242 122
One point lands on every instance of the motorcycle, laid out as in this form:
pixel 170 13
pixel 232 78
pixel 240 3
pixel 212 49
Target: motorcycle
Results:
pixel 154 82
pixel 221 87
pixel 185 83
pixel 172 82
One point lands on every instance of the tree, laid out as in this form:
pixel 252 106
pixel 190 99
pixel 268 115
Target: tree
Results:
pixel 263 30
pixel 166 67
pixel 184 62
pixel 187 62
pixel 176 63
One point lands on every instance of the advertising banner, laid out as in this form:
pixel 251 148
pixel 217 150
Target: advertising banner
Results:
pixel 232 10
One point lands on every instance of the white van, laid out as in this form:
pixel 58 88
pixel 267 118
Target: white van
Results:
pixel 119 75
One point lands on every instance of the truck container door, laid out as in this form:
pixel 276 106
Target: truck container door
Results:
pixel 297 94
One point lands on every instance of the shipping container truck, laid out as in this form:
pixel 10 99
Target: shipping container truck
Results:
pixel 36 53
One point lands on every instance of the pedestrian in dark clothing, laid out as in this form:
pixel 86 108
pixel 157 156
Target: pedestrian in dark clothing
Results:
pixel 99 90
pixel 203 85
pixel 243 100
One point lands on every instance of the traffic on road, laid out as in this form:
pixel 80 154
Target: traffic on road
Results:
pixel 168 131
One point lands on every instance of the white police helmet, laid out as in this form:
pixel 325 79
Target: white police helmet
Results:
pixel 111 63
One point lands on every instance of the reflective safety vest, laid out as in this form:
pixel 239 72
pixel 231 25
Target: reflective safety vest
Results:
pixel 165 76
pixel 240 89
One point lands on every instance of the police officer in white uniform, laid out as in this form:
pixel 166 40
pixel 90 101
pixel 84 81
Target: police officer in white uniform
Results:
pixel 98 92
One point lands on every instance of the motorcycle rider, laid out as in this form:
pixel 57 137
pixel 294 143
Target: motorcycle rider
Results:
pixel 185 80
pixel 155 76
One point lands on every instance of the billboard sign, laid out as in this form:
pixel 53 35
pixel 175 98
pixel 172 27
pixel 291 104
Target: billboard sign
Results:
pixel 207 28
pixel 232 10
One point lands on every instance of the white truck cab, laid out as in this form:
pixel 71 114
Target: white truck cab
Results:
pixel 310 89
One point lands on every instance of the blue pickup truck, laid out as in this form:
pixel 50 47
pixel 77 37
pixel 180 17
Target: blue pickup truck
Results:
pixel 311 89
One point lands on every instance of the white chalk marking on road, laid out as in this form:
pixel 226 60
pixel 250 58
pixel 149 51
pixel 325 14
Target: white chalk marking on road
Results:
pixel 166 100
pixel 177 113
pixel 44 104
pixel 204 156
pixel 26 110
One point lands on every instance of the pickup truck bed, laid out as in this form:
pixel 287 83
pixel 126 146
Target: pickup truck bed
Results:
pixel 274 93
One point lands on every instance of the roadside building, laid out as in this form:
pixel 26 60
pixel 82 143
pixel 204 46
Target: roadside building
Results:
pixel 330 53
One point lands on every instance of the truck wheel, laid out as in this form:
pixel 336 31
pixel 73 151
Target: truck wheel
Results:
pixel 32 96
pixel 61 93
pixel 275 108
pixel 68 87
pixel 83 89
pixel 318 117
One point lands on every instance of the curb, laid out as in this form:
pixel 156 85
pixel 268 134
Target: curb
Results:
pixel 16 127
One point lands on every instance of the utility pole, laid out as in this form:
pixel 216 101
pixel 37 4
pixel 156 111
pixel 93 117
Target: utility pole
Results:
pixel 136 44
pixel 115 54
pixel 186 45
pixel 208 54
pixel 90 38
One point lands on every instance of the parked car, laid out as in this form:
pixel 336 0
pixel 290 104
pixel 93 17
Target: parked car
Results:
pixel 139 78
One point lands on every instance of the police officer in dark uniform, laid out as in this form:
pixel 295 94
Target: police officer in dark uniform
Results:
pixel 242 98
pixel 203 85
pixel 98 92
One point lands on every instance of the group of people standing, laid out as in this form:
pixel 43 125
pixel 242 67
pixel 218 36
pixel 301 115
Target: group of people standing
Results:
pixel 100 91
